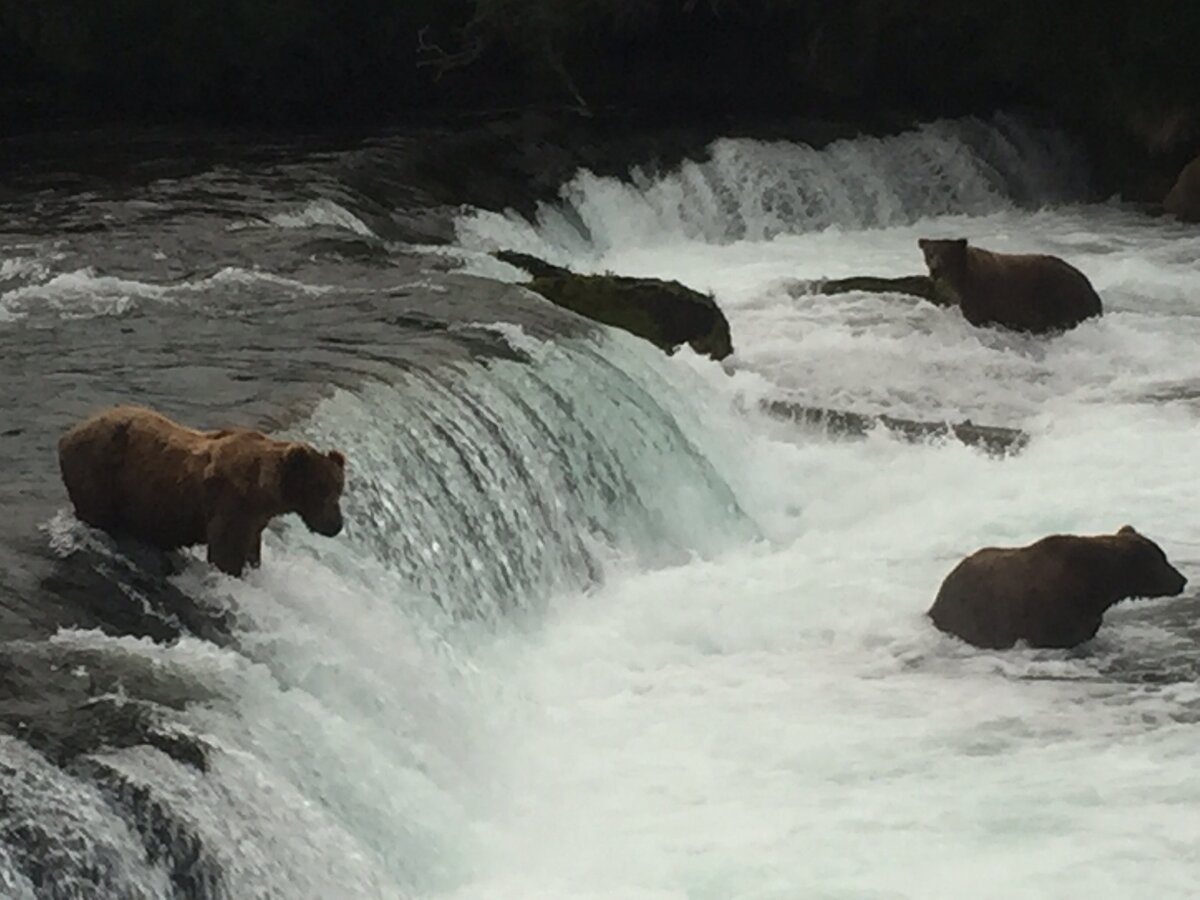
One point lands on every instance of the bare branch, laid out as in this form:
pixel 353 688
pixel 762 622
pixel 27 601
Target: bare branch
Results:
pixel 435 57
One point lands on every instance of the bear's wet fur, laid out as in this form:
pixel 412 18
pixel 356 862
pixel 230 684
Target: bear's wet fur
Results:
pixel 1025 292
pixel 1052 593
pixel 132 472
pixel 1183 200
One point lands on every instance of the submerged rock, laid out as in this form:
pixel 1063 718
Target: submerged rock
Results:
pixel 666 313
pixel 67 703
pixel 992 439
pixel 1183 201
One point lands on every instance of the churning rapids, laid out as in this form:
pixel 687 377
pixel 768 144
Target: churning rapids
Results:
pixel 597 626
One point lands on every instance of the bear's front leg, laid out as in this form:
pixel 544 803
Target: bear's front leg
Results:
pixel 254 549
pixel 227 547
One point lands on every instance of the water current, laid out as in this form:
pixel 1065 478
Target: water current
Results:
pixel 598 626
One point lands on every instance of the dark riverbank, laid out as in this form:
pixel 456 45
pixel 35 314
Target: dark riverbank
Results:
pixel 1124 79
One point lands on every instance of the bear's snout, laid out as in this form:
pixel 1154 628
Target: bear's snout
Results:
pixel 1167 582
pixel 1178 582
pixel 327 523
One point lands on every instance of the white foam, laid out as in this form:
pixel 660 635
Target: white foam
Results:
pixel 238 276
pixel 783 720
pixel 21 267
pixel 83 293
pixel 80 294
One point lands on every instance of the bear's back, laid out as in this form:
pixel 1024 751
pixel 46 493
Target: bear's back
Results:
pixel 131 470
pixel 977 601
pixel 1030 292
pixel 1183 200
pixel 1000 595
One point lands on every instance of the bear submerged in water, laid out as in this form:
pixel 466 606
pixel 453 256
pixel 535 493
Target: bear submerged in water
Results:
pixel 1052 593
pixel 132 472
pixel 1025 292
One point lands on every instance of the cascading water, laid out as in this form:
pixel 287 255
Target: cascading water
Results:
pixel 495 486
pixel 480 490
pixel 748 190
pixel 597 627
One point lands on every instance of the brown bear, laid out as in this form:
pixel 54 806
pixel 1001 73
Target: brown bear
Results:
pixel 1024 292
pixel 1183 200
pixel 1052 593
pixel 132 472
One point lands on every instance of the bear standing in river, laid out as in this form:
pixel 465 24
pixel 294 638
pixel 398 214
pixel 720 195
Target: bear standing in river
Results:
pixel 132 472
pixel 1052 593
pixel 1024 292
pixel 1183 201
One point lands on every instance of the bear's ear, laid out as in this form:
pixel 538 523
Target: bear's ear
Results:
pixel 301 464
pixel 1126 529
pixel 338 459
pixel 295 461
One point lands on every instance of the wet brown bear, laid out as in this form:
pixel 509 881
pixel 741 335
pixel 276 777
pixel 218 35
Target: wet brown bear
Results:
pixel 1052 593
pixel 1183 200
pixel 1024 292
pixel 133 472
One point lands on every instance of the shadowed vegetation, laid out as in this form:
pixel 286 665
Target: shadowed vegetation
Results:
pixel 1126 75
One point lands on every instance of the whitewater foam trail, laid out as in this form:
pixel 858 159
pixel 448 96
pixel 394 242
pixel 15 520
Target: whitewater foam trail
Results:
pixel 84 293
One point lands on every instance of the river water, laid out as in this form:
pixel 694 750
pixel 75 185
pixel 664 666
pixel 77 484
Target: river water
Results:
pixel 597 627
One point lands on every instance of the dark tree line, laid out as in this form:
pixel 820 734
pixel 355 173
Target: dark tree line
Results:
pixel 1129 67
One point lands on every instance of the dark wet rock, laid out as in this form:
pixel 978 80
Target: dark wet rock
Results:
pixel 70 706
pixel 169 839
pixel 57 856
pixel 1183 200
pixel 68 703
pixel 992 439
pixel 535 266
pixel 666 313
pixel 937 293
pixel 127 592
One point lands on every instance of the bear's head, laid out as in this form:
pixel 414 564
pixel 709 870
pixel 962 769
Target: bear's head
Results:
pixel 717 343
pixel 1145 568
pixel 311 484
pixel 945 259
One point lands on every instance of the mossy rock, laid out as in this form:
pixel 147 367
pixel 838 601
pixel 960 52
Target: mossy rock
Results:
pixel 666 313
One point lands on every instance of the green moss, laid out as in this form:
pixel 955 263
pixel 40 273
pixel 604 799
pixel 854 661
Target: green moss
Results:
pixel 666 313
